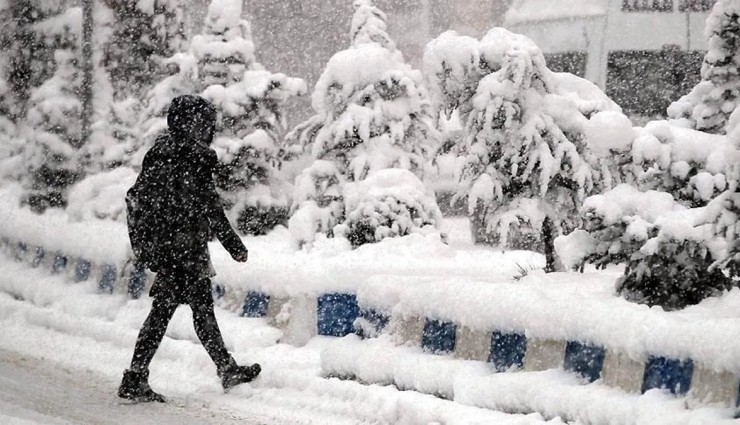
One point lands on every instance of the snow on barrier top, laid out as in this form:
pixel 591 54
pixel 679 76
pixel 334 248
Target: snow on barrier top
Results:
pixel 569 306
pixel 95 240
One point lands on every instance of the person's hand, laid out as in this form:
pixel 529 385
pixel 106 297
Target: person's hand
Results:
pixel 242 257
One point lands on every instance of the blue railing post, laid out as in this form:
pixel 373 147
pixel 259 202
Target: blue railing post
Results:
pixel 507 350
pixel 107 279
pixel 136 281
pixel 336 314
pixel 255 304
pixel 439 337
pixel 673 375
pixel 584 359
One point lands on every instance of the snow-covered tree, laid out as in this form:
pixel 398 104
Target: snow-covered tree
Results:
pixel 53 134
pixel 224 50
pixel 143 57
pixel 128 52
pixel 708 106
pixel 529 148
pixel 36 28
pixel 676 230
pixel 694 167
pixel 250 102
pixel 371 109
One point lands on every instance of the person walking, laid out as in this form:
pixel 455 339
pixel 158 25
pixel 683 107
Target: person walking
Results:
pixel 173 209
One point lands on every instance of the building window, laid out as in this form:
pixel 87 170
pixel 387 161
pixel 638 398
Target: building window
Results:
pixel 573 62
pixel 645 82
pixel 648 5
pixel 695 5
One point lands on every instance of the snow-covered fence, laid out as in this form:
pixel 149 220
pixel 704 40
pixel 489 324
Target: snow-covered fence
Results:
pixel 340 315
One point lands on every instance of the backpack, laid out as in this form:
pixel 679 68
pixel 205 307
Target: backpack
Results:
pixel 154 205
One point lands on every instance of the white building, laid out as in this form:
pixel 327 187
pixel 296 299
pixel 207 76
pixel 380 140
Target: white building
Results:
pixel 605 40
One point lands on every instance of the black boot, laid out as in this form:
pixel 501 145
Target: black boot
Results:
pixel 135 386
pixel 233 374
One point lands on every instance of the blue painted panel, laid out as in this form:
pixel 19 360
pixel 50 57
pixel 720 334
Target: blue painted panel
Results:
pixel 255 304
pixel 59 263
pixel 584 359
pixel 38 256
pixel 336 314
pixel 507 350
pixel 20 250
pixel 673 375
pixel 136 281
pixel 377 319
pixel 217 291
pixel 107 278
pixel 82 270
pixel 438 337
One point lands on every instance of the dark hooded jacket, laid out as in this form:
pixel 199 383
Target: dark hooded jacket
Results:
pixel 180 167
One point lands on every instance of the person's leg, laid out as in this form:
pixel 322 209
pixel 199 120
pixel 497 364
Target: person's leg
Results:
pixel 135 382
pixel 151 334
pixel 206 327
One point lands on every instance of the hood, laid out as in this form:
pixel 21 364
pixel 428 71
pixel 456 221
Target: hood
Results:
pixel 191 118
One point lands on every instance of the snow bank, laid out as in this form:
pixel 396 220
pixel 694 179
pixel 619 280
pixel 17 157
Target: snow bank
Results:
pixel 101 241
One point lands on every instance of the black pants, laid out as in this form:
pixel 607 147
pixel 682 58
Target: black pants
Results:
pixel 155 325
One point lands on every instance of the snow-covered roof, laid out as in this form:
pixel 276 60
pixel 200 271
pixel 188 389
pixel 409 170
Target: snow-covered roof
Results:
pixel 523 11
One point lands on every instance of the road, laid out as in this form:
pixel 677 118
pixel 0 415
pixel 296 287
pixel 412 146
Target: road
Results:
pixel 37 391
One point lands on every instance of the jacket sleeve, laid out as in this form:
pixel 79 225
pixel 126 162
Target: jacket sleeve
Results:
pixel 217 218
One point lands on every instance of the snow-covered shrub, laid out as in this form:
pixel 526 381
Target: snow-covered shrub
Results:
pixel 53 135
pixel 535 142
pixel 372 111
pixel 673 254
pixel 708 106
pixel 250 103
pixel 679 242
pixel 388 203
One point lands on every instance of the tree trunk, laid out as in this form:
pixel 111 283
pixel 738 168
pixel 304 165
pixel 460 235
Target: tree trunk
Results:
pixel 547 239
pixel 87 70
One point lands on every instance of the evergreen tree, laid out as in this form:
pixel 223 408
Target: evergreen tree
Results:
pixel 708 106
pixel 128 52
pixel 146 45
pixel 527 154
pixel 250 102
pixel 29 54
pixel 53 135
pixel 372 114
